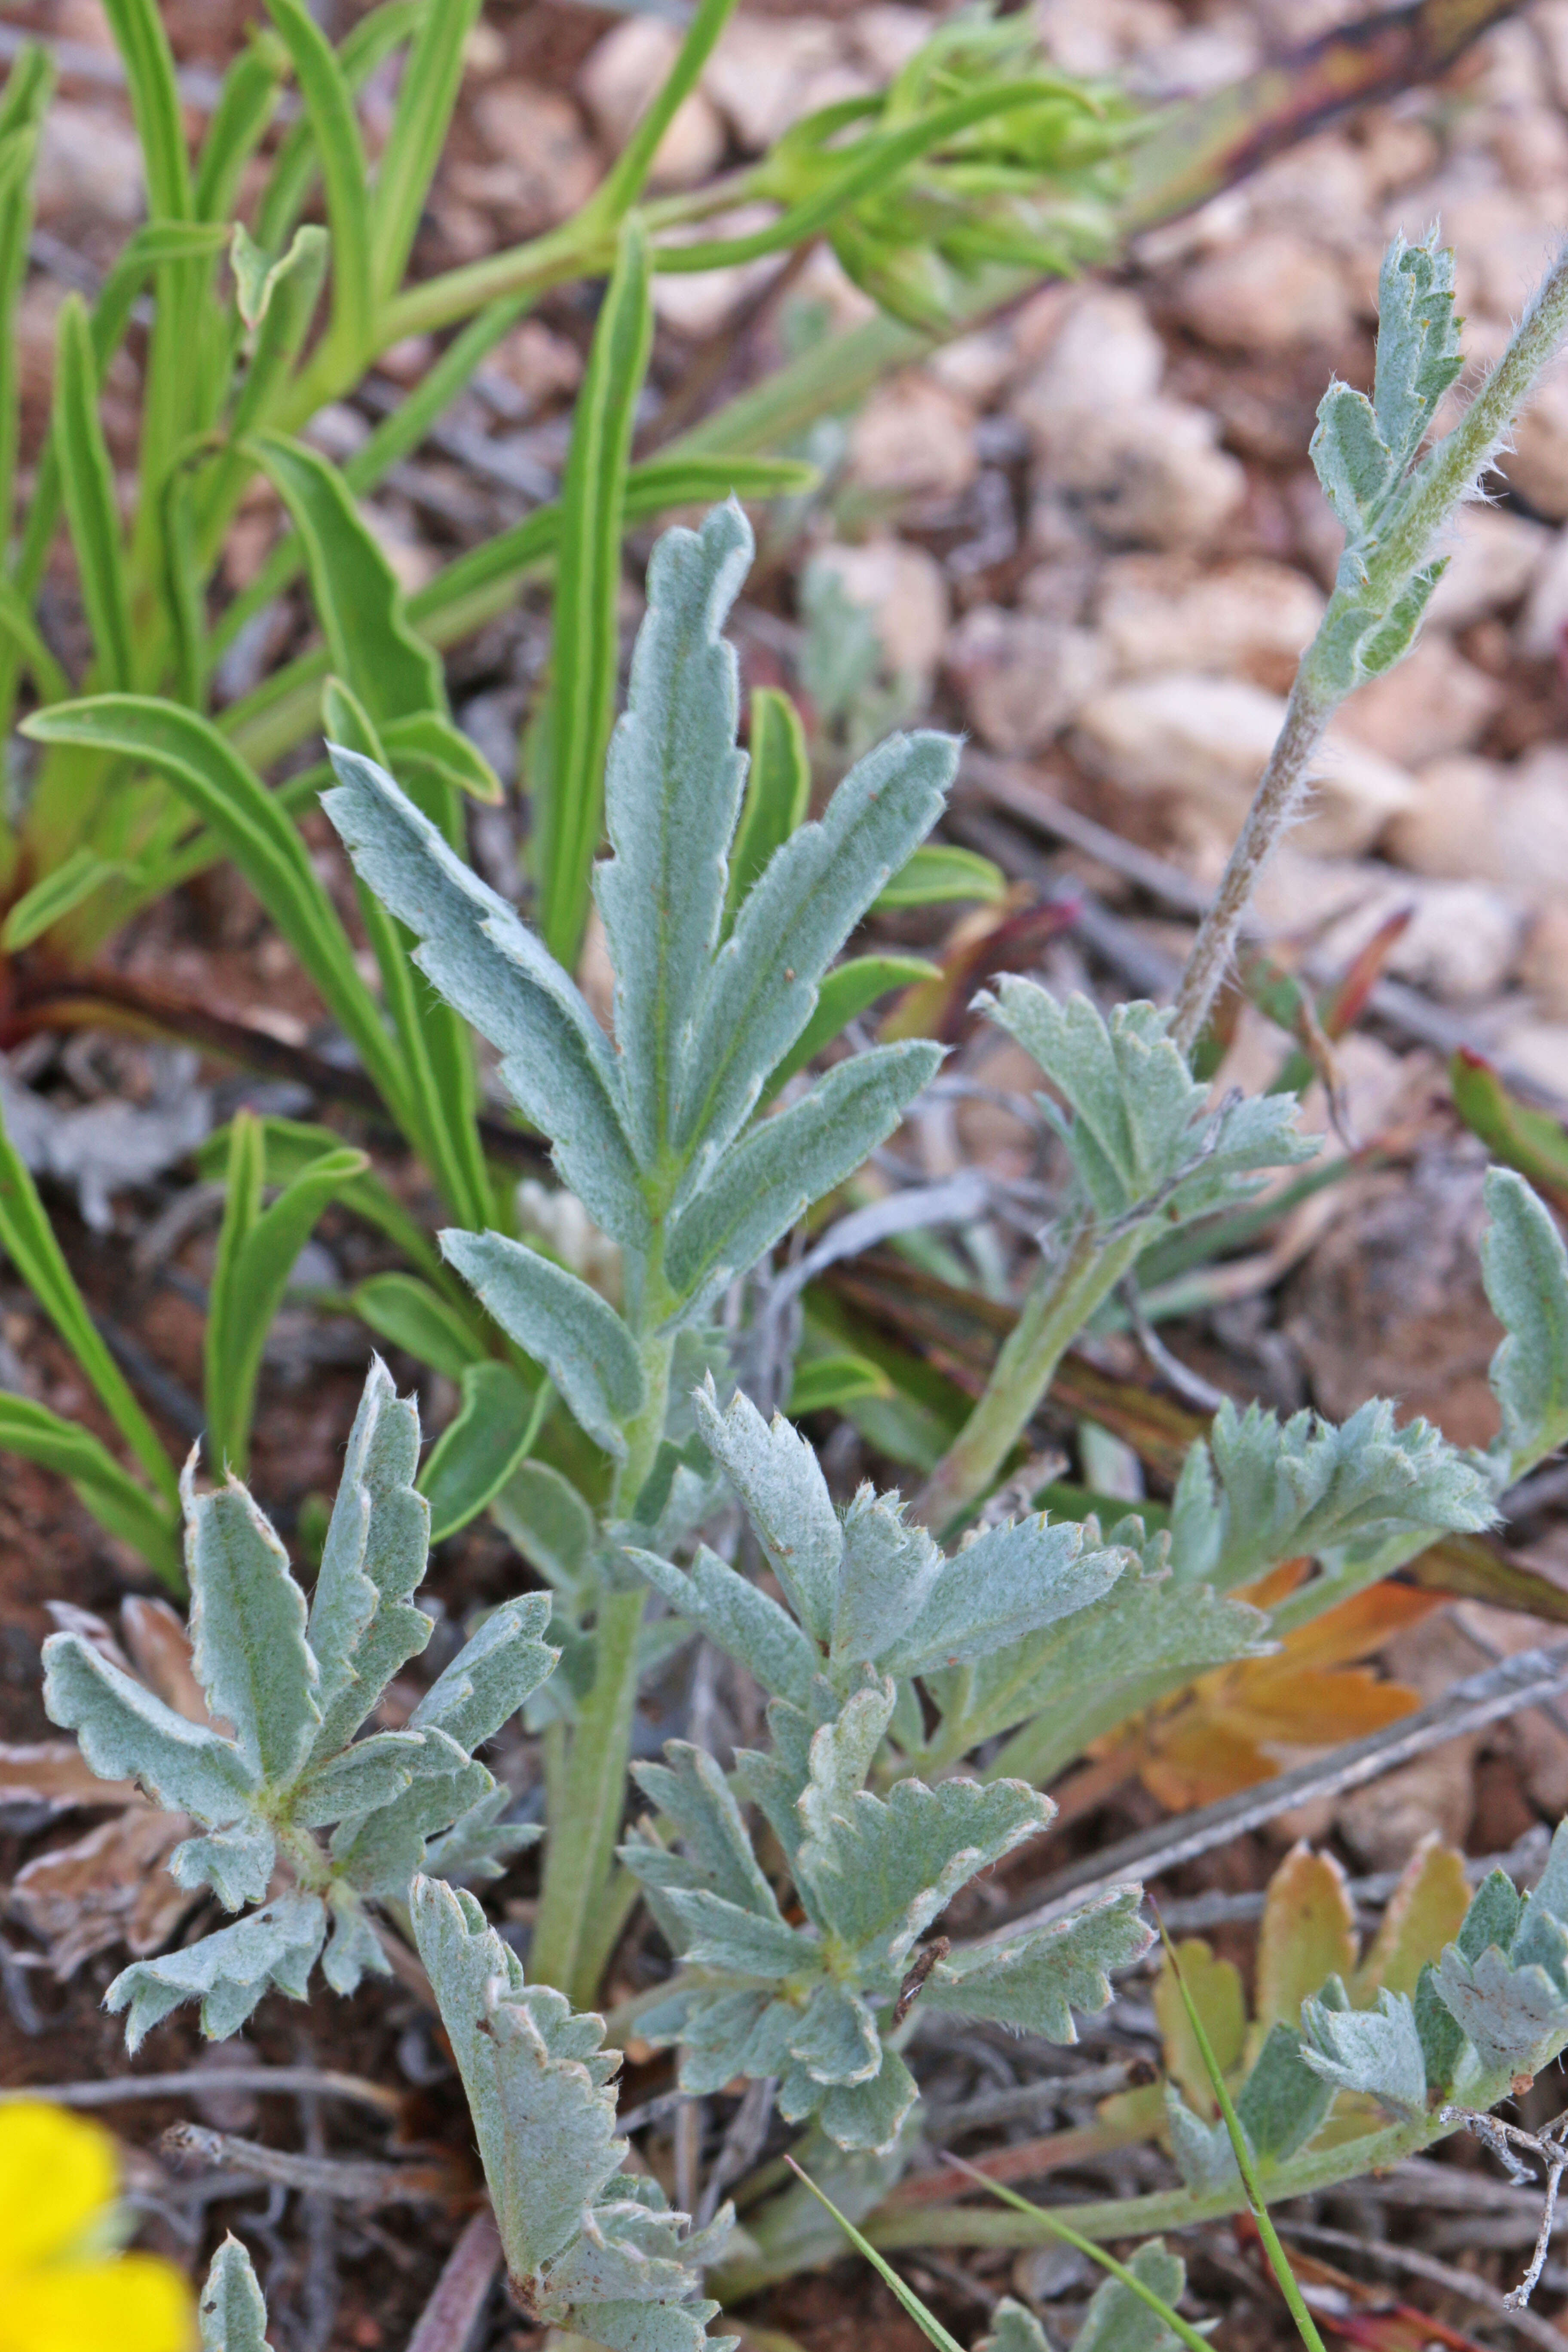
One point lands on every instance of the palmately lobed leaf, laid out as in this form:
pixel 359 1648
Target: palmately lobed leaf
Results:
pixel 1034 1982
pixel 1372 2050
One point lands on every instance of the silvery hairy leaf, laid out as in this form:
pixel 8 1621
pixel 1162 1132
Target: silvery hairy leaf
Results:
pixel 362 1628
pixel 554 1316
pixel 556 1061
pixel 1204 2157
pixel 607 2266
pixel 1140 1134
pixel 227 1972
pixel 1492 1918
pixel 1260 1490
pixel 1418 353
pixel 672 794
pixel 1504 1980
pixel 286 1772
pixel 1014 2328
pixel 772 1176
pixel 869 1586
pixel 808 898
pixel 1118 2320
pixel 1525 1268
pixel 1372 2050
pixel 1034 1982
pixel 1280 2105
pixel 233 2308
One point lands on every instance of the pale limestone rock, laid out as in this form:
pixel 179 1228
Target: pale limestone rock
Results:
pixel 1537 465
pixel 1503 246
pixel 1204 741
pixel 1461 942
pixel 1102 354
pixel 1095 36
pixel 1430 705
pixel 1539 634
pixel 1544 964
pixel 1539 1050
pixel 697 303
pixel 1446 826
pixel 619 79
pixel 1151 475
pixel 537 361
pixel 1327 181
pixel 905 589
pixel 1493 558
pixel 886 36
pixel 88 167
pixel 1492 821
pixel 1022 675
pixel 1271 293
pixel 976 367
pixel 914 439
pixel 1386 1821
pixel 767 71
pixel 1247 619
pixel 546 166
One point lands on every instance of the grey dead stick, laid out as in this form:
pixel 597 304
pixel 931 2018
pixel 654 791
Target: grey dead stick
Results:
pixel 449 2320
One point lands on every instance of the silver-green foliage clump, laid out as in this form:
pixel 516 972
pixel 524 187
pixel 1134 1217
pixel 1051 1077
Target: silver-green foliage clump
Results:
pixel 292 1687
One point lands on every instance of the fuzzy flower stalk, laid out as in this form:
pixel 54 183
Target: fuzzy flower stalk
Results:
pixel 1395 511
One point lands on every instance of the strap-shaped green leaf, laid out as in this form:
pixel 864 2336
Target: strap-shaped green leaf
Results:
pixel 87 483
pixel 425 96
pixel 585 646
pixel 260 837
pixel 940 875
pixel 233 2307
pixel 778 792
pixel 29 1240
pixel 410 1314
pixel 850 990
pixel 346 174
pixel 761 990
pixel 257 1251
pixel 774 1175
pixel 249 1652
pixel 22 104
pixel 148 62
pixel 555 1317
pixel 357 595
pixel 284 297
pixel 236 126
pixel 113 1497
pixel 481 1448
pixel 367 45
pixel 18 624
pixel 292 1144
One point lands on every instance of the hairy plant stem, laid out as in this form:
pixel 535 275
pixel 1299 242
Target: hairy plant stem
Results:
pixel 579 1916
pixel 1372 578
pixel 1061 1299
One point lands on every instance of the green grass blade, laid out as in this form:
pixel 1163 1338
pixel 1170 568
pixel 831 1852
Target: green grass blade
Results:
pixel 477 1451
pixel 263 843
pixel 29 1240
pixel 587 643
pixel 52 898
pixel 1278 2261
pixel 928 2323
pixel 631 168
pixel 778 792
pixel 328 104
pixel 1064 2230
pixel 257 1251
pixel 87 484
pixel 292 1145
pixel 237 127
pixel 425 97
pixel 847 990
pixel 149 63
pixel 113 1497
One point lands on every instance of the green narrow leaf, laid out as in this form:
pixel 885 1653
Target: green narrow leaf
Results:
pixel 18 624
pixel 846 992
pixel 408 1314
pixel 51 900
pixel 624 184
pixel 283 294
pixel 586 642
pixel 236 126
pixel 367 45
pixel 477 1452
pixel 1532 1141
pixel 263 843
pixel 87 483
pixel 184 595
pixel 257 1252
pixel 426 98
pixel 22 105
pixel 291 1146
pixel 939 874
pixel 29 1240
pixel 778 792
pixel 329 103
pixel 113 1497
pixel 358 600
pixel 148 62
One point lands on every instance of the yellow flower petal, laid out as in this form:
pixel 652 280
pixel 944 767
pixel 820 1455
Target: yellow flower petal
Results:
pixel 135 2303
pixel 56 2174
